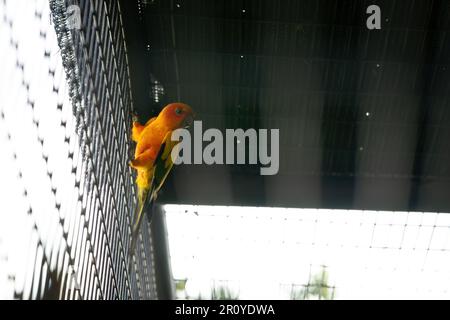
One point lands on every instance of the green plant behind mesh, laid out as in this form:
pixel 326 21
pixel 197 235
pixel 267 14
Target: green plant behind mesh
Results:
pixel 317 288
pixel 222 292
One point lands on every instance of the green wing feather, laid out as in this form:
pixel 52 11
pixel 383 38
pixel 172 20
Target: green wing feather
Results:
pixel 163 164
pixel 161 168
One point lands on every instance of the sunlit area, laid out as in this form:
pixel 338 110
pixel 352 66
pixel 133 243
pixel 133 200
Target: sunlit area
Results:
pixel 278 253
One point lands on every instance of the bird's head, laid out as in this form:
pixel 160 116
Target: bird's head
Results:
pixel 177 115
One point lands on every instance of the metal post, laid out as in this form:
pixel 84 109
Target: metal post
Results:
pixel 164 280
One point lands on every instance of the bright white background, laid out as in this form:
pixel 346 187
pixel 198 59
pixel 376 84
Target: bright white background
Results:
pixel 261 253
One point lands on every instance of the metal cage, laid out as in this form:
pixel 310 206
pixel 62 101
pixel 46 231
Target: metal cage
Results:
pixel 65 119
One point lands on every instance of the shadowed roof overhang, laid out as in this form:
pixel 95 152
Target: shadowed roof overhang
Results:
pixel 364 116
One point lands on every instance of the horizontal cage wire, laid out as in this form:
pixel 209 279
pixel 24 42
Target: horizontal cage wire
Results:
pixel 65 221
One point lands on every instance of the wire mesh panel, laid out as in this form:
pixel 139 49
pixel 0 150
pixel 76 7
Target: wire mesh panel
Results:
pixel 67 194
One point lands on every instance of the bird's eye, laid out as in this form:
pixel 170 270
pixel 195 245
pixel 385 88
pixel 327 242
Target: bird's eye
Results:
pixel 178 111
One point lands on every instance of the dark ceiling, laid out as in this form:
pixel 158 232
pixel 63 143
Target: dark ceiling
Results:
pixel 364 115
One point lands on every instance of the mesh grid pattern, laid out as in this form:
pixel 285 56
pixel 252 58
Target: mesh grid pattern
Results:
pixel 65 223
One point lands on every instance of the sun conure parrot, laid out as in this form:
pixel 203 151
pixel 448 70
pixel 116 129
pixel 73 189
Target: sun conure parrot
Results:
pixel 152 158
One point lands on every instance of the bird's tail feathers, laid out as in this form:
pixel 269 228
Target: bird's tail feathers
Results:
pixel 140 209
pixel 145 198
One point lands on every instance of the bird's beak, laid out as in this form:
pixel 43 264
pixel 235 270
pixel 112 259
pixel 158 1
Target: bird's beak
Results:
pixel 189 120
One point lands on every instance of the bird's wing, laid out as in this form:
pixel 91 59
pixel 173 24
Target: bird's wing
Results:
pixel 160 170
pixel 163 163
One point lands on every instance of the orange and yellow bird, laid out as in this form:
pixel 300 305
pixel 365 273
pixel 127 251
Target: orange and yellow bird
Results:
pixel 152 157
